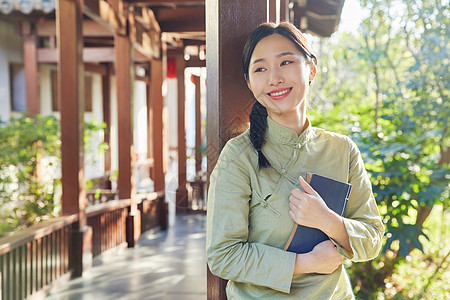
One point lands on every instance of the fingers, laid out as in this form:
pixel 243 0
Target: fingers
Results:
pixel 306 187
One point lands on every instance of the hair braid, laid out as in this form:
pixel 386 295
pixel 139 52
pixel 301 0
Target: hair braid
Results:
pixel 258 126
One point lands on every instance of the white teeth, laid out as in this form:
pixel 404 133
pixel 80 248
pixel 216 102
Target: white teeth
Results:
pixel 280 93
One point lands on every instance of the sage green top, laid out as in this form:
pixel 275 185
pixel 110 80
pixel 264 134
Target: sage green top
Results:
pixel 248 222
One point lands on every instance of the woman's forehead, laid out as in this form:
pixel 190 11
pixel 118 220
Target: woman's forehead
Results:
pixel 273 46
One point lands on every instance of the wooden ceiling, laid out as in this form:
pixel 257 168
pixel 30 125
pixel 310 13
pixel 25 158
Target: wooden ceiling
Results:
pixel 182 22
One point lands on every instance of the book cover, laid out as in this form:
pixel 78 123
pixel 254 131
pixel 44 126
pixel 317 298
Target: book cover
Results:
pixel 335 194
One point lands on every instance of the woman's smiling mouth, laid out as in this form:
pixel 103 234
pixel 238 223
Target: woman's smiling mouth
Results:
pixel 279 93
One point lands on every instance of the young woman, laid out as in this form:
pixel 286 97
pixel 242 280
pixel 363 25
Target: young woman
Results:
pixel 257 190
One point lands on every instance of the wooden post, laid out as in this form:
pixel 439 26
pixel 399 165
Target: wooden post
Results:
pixel 31 69
pixel 71 102
pixel 272 11
pixel 156 117
pixel 284 10
pixel 106 100
pixel 228 24
pixel 198 124
pixel 181 193
pixel 126 179
pixel 155 103
pixel 148 90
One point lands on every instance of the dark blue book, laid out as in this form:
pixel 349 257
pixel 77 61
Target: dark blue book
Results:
pixel 335 194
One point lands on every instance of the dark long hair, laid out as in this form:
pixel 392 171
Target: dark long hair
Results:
pixel 258 116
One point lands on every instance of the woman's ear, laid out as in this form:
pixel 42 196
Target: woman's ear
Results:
pixel 312 73
pixel 247 81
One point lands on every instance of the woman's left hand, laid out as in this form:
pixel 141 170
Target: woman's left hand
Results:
pixel 307 207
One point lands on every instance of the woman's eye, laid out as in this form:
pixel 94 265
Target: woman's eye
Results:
pixel 286 62
pixel 259 70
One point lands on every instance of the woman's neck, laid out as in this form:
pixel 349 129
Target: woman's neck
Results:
pixel 296 120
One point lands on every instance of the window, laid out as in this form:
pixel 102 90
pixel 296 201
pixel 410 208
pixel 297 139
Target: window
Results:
pixel 17 87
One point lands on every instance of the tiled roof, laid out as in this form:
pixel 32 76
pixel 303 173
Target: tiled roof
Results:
pixel 26 6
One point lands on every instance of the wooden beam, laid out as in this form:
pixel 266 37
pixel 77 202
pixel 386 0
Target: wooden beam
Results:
pixel 98 69
pixel 229 23
pixel 31 70
pixel 169 2
pixel 107 16
pixel 90 29
pixel 195 62
pixel 90 55
pixel 182 19
pixel 183 26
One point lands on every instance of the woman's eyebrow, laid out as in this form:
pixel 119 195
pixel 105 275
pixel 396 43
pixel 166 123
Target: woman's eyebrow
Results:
pixel 278 55
pixel 284 54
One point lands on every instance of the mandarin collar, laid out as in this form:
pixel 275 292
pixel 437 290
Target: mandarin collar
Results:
pixel 277 133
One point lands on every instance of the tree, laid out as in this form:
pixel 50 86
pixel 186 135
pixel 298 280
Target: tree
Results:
pixel 396 107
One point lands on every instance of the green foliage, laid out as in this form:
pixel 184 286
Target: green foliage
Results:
pixel 27 146
pixel 386 86
pixel 30 169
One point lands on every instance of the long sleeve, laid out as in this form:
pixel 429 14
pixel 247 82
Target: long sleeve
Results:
pixel 229 253
pixel 362 219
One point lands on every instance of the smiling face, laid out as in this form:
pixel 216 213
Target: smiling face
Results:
pixel 279 77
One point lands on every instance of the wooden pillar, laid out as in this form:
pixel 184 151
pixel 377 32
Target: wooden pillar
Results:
pixel 181 193
pixel 272 11
pixel 148 90
pixel 71 103
pixel 156 125
pixel 155 102
pixel 31 69
pixel 284 10
pixel 106 100
pixel 228 24
pixel 126 179
pixel 198 124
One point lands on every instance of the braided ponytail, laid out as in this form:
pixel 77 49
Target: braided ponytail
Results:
pixel 258 126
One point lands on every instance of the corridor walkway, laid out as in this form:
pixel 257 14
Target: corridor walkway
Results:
pixel 165 265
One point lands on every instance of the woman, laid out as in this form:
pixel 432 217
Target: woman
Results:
pixel 257 190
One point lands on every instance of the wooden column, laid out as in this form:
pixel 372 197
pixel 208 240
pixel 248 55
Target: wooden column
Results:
pixel 284 10
pixel 106 100
pixel 156 119
pixel 198 124
pixel 31 69
pixel 126 179
pixel 181 193
pixel 228 24
pixel 155 102
pixel 148 90
pixel 272 11
pixel 71 103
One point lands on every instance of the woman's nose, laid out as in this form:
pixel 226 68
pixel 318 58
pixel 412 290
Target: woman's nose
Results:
pixel 275 77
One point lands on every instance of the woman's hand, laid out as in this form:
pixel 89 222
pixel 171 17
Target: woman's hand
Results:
pixel 307 207
pixel 324 258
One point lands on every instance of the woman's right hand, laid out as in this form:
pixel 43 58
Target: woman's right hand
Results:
pixel 324 258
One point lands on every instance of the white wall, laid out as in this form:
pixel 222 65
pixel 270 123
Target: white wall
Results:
pixel 11 51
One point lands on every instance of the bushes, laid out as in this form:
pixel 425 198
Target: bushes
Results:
pixel 29 171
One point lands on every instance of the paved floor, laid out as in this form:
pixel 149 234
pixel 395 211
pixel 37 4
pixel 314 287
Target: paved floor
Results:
pixel 164 265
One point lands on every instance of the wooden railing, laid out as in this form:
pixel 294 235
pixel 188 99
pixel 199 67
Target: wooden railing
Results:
pixel 108 224
pixel 31 259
